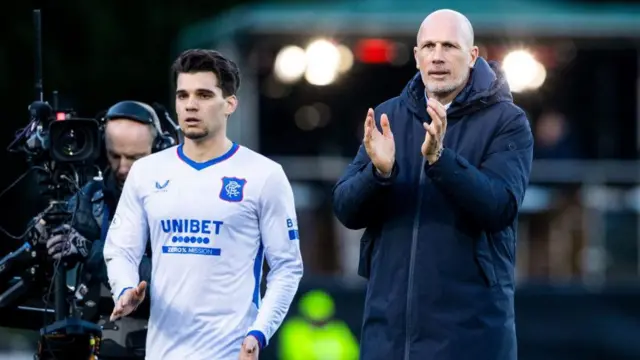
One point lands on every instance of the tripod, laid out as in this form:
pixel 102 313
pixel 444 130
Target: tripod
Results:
pixel 69 337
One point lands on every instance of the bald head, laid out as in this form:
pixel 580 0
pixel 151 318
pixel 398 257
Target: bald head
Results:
pixel 128 131
pixel 451 21
pixel 126 141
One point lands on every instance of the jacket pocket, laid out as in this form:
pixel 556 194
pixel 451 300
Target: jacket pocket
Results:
pixel 366 252
pixel 484 258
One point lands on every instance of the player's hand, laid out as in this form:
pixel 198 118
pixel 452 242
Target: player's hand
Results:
pixel 380 146
pixel 434 137
pixel 129 301
pixel 250 348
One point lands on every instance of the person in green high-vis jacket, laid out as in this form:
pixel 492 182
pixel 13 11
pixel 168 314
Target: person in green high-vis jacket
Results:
pixel 315 334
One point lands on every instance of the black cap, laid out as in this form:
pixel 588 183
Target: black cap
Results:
pixel 131 110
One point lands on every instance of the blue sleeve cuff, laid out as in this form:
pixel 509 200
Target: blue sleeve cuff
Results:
pixel 448 170
pixel 123 290
pixel 384 180
pixel 262 340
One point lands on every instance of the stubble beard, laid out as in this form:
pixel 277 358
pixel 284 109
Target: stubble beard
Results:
pixel 196 135
pixel 440 90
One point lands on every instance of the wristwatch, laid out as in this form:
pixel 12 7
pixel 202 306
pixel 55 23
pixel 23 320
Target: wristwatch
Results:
pixel 437 154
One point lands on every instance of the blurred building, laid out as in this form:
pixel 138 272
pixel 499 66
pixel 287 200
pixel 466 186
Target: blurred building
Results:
pixel 310 72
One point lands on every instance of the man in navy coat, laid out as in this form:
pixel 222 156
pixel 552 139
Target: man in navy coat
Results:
pixel 437 183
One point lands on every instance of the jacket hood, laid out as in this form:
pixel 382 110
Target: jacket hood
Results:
pixel 486 86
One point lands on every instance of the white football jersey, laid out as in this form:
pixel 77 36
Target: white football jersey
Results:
pixel 210 225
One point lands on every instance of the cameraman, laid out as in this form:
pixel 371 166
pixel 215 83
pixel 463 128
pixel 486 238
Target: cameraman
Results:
pixel 131 131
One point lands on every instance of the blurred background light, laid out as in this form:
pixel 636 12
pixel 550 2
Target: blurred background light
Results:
pixel 375 51
pixel 346 58
pixel 323 62
pixel 523 71
pixel 290 64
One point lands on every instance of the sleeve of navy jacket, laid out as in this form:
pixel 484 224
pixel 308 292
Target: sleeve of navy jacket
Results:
pixel 357 191
pixel 126 239
pixel 492 193
pixel 280 241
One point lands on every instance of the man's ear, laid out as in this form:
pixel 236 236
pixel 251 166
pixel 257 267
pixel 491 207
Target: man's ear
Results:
pixel 475 52
pixel 232 104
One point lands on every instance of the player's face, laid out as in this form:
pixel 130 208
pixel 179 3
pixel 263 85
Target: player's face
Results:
pixel 126 141
pixel 201 106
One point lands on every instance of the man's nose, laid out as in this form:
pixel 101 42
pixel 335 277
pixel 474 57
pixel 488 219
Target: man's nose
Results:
pixel 124 167
pixel 437 56
pixel 123 171
pixel 192 104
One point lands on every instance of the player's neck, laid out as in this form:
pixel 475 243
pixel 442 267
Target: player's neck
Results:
pixel 206 149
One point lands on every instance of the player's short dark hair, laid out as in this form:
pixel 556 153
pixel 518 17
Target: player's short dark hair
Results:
pixel 204 60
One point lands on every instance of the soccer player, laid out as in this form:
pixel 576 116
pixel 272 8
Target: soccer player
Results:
pixel 214 210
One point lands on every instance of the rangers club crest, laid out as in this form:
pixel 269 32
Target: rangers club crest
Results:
pixel 232 189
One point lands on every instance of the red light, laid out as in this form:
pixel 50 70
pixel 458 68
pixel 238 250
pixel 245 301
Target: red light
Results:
pixel 61 116
pixel 375 51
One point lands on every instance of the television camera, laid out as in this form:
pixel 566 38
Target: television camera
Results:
pixel 63 149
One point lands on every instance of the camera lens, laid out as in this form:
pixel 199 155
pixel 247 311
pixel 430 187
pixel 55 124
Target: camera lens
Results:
pixel 72 142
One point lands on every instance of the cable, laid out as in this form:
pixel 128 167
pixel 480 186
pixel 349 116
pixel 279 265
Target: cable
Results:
pixel 56 264
pixel 74 182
